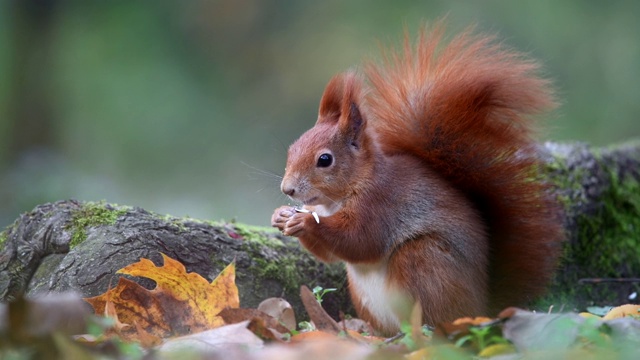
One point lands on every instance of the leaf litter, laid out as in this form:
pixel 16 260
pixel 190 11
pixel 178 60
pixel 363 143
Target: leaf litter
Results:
pixel 185 314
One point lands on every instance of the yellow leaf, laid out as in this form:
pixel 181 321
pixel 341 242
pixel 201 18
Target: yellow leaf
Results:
pixel 589 315
pixel 182 303
pixel 471 321
pixel 623 311
pixel 497 349
pixel 420 354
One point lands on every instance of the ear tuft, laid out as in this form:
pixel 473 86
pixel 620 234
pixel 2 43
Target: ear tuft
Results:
pixel 340 106
pixel 342 90
pixel 331 101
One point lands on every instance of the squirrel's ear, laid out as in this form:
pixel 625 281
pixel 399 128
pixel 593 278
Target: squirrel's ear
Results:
pixel 331 102
pixel 340 104
pixel 342 90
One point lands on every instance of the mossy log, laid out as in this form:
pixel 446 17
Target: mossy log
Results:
pixel 75 246
pixel 78 246
pixel 599 189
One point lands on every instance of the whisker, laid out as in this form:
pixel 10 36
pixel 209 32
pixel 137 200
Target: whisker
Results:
pixel 262 171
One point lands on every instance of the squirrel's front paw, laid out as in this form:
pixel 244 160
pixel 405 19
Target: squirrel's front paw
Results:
pixel 297 224
pixel 281 215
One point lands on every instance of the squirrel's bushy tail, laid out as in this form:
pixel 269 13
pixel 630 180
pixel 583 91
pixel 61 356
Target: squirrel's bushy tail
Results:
pixel 466 108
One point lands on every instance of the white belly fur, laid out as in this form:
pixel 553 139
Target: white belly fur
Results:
pixel 371 283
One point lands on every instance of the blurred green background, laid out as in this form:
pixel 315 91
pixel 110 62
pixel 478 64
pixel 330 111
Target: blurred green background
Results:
pixel 187 107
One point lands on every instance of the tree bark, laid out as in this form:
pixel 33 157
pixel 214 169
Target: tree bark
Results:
pixel 77 246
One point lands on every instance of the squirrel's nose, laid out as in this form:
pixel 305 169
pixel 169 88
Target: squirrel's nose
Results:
pixel 287 188
pixel 288 191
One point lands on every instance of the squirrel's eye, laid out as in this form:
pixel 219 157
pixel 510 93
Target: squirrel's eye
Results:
pixel 325 160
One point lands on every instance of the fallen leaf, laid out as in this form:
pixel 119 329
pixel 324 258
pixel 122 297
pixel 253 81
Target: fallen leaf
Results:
pixel 281 310
pixel 497 349
pixel 627 329
pixel 135 304
pixel 357 325
pixel 532 331
pixel 314 335
pixel 477 321
pixel 508 312
pixel 316 313
pixel 208 342
pixel 145 338
pixel 419 354
pixel 599 310
pixel 460 327
pixel 628 310
pixel 437 351
pixel 233 316
pixel 110 312
pixel 259 327
pixel 181 303
pixel 589 315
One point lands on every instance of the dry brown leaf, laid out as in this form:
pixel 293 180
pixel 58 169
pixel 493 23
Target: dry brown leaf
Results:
pixel 181 303
pixel 281 310
pixel 318 316
pixel 133 304
pixel 223 340
pixel 145 338
pixel 460 327
pixel 357 325
pixel 259 327
pixel 476 321
pixel 315 335
pixel 110 312
pixel 233 316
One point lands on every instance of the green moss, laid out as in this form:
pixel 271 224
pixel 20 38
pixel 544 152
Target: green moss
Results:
pixel 176 221
pixel 606 242
pixel 568 182
pixel 4 235
pixel 284 266
pixel 258 234
pixel 90 215
pixel 3 239
pixel 610 238
pixel 278 266
pixel 284 269
pixel 257 240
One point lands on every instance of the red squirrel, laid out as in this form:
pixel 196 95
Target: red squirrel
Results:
pixel 421 175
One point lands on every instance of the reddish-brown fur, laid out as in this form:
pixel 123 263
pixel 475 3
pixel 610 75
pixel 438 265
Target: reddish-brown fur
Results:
pixel 434 178
pixel 472 126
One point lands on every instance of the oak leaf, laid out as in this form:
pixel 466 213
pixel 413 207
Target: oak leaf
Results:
pixel 181 303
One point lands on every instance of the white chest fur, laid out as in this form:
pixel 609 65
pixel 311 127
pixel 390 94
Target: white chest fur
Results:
pixel 370 282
